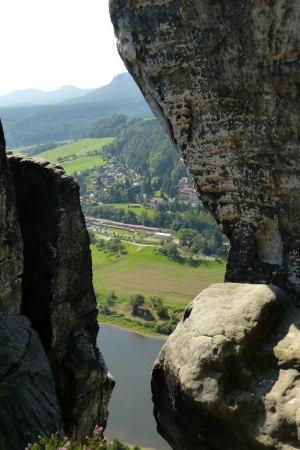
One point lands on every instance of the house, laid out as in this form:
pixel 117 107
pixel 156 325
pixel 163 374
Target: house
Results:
pixel 108 179
pixel 163 235
pixel 123 170
pixel 185 182
pixel 156 201
pixel 188 195
pixel 101 193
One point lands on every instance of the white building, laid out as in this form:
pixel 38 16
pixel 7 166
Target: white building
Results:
pixel 163 235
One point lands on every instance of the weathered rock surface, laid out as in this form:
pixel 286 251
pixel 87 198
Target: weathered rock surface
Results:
pixel 223 79
pixel 229 375
pixel 54 290
pixel 58 295
pixel 28 401
pixel 11 246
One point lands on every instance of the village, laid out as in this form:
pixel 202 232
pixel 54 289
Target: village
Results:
pixel 96 185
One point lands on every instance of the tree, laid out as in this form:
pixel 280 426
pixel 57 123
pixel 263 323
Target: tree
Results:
pixel 162 311
pixel 110 297
pixel 186 236
pixel 92 237
pixel 172 249
pixel 155 300
pixel 99 181
pixel 101 244
pixel 118 196
pixel 145 219
pixel 136 300
pixel 159 163
pixel 198 244
pixel 169 249
pixel 127 184
pixel 130 195
pixel 115 245
pixel 82 186
pixel 147 187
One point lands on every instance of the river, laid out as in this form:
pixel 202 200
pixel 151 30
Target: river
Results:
pixel 130 357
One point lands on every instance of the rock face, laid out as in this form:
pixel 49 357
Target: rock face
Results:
pixel 58 295
pixel 11 246
pixel 28 402
pixel 223 79
pixel 228 377
pixel 70 395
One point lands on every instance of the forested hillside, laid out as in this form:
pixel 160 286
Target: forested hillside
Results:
pixel 143 146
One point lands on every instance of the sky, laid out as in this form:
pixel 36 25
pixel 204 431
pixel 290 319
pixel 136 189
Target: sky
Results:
pixel 47 44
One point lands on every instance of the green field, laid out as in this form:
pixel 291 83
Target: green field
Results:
pixel 80 148
pixel 145 272
pixel 137 211
pixel 81 164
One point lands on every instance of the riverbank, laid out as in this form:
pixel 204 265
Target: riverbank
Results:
pixel 130 325
pixel 141 333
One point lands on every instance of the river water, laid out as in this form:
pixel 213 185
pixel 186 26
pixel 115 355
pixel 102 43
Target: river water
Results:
pixel 130 357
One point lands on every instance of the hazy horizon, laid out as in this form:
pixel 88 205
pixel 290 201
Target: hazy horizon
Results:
pixel 61 87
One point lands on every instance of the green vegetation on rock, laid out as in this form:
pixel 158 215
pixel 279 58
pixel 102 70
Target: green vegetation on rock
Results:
pixel 96 442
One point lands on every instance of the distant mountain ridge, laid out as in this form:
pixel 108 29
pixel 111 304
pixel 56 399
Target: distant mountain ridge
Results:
pixel 35 96
pixel 33 124
pixel 121 88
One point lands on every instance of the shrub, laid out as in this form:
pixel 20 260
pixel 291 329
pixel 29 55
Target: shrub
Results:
pixel 135 301
pixel 165 328
pixel 162 312
pixel 155 301
pixel 96 442
pixel 110 298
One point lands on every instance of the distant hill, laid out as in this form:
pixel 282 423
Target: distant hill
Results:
pixel 35 96
pixel 38 124
pixel 121 88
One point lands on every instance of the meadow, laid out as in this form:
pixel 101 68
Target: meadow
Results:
pixel 137 211
pixel 142 271
pixel 80 149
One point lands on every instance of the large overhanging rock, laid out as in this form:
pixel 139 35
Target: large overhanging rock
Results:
pixel 228 377
pixel 223 79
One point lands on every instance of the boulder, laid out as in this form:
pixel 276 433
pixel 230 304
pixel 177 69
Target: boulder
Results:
pixel 229 375
pixel 223 79
pixel 28 401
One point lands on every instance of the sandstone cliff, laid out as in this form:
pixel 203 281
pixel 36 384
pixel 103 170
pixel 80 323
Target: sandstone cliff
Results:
pixel 56 295
pixel 223 79
pixel 11 246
